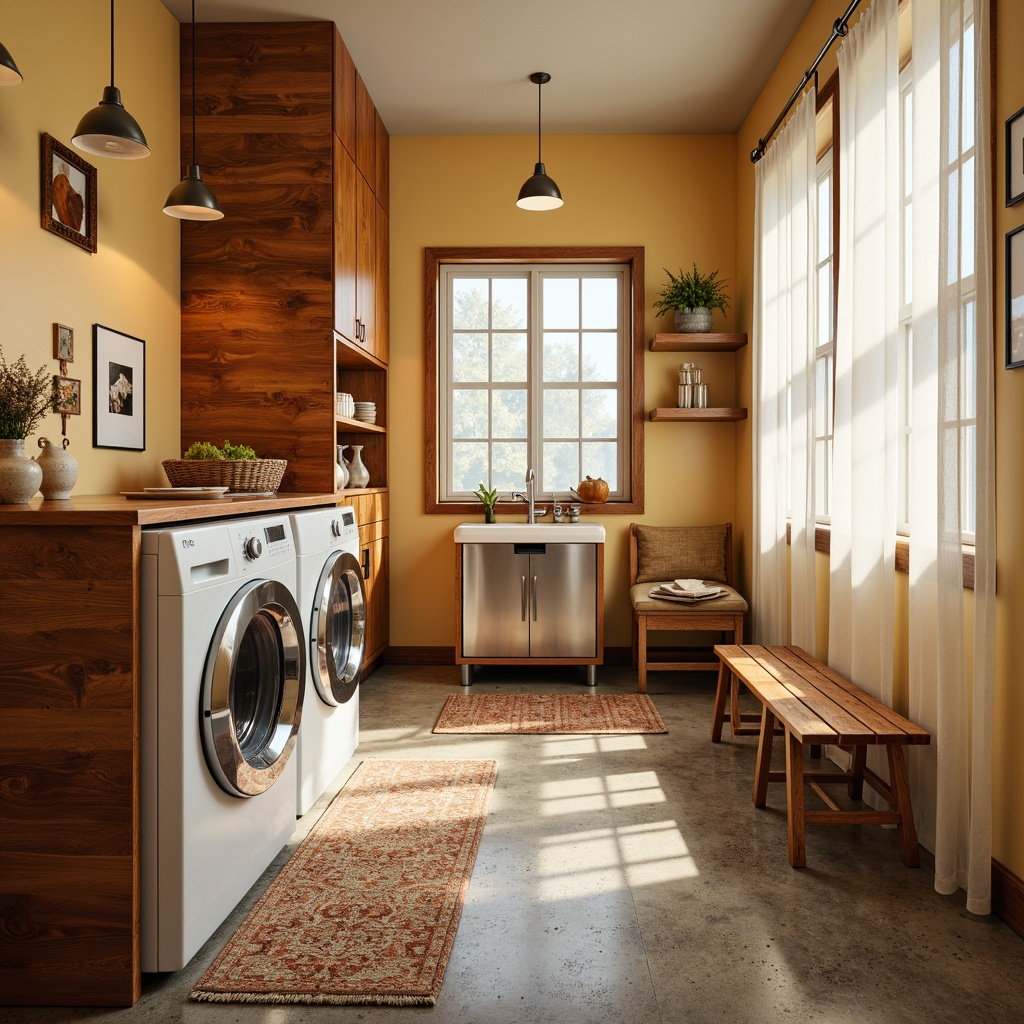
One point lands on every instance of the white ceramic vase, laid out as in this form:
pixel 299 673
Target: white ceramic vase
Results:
pixel 358 474
pixel 341 473
pixel 60 470
pixel 20 477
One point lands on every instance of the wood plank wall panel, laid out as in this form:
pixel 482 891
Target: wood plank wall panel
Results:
pixel 257 349
pixel 69 799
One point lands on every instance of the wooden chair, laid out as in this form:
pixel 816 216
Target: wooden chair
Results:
pixel 660 554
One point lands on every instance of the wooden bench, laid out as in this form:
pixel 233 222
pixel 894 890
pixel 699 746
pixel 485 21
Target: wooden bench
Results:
pixel 815 705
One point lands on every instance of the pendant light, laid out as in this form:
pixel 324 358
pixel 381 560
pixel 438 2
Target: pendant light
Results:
pixel 9 73
pixel 192 198
pixel 539 192
pixel 108 129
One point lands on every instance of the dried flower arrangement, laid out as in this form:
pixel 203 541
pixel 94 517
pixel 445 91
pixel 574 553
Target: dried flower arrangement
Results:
pixel 25 397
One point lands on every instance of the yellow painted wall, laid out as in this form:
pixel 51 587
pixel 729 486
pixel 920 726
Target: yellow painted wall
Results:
pixel 62 48
pixel 1008 776
pixel 675 196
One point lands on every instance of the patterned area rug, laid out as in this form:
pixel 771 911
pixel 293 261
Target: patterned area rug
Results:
pixel 367 908
pixel 550 714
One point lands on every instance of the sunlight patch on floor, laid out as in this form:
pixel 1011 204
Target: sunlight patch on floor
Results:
pixel 595 793
pixel 562 746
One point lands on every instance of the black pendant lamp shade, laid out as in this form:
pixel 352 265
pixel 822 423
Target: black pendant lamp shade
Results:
pixel 539 192
pixel 192 198
pixel 108 129
pixel 9 73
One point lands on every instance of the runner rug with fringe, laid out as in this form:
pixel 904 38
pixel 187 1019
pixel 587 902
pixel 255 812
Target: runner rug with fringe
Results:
pixel 553 714
pixel 366 910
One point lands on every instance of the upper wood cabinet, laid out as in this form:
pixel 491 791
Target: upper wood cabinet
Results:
pixel 382 188
pixel 289 142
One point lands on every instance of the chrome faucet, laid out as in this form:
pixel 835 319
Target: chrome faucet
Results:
pixel 532 513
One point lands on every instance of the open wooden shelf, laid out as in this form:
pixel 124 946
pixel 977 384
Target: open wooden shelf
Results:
pixel 697 342
pixel 350 426
pixel 720 414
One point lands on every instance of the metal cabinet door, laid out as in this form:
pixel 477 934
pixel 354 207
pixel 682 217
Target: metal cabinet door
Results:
pixel 495 621
pixel 563 601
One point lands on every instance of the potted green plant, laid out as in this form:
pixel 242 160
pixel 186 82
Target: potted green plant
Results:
pixel 692 296
pixel 490 499
pixel 235 466
pixel 25 398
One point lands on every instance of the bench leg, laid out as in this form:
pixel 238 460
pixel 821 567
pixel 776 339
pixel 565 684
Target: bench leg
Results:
pixel 856 787
pixel 718 717
pixel 795 800
pixel 764 757
pixel 906 832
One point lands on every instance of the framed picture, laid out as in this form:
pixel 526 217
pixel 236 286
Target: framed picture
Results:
pixel 69 392
pixel 119 382
pixel 63 343
pixel 1015 158
pixel 1015 297
pixel 69 194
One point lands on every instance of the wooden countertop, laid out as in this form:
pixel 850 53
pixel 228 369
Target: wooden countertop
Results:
pixel 115 510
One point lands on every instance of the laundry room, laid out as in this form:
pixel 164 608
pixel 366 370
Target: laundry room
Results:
pixel 406 606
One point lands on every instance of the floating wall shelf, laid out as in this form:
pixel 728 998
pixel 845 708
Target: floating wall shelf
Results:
pixel 719 414
pixel 697 342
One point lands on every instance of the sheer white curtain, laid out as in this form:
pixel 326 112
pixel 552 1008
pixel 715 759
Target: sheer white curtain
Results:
pixel 865 447
pixel 783 422
pixel 951 429
pixel 951 419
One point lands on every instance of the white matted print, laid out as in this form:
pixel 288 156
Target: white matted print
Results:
pixel 119 383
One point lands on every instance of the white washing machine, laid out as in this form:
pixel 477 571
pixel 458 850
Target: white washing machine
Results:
pixel 331 596
pixel 223 672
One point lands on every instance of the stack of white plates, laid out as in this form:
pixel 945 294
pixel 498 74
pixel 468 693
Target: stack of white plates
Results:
pixel 365 412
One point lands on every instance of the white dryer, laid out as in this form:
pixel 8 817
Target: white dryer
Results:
pixel 333 603
pixel 223 673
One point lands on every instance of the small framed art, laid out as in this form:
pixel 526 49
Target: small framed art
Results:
pixel 63 343
pixel 119 382
pixel 68 194
pixel 69 396
pixel 1015 158
pixel 1015 297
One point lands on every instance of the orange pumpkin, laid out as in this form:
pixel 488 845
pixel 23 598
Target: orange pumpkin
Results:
pixel 591 490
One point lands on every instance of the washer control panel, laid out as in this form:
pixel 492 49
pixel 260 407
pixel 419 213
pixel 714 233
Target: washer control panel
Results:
pixel 262 543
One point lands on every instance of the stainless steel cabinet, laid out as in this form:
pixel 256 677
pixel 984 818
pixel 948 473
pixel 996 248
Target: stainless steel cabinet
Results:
pixel 530 601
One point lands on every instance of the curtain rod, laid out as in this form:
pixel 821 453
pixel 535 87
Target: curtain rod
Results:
pixel 839 29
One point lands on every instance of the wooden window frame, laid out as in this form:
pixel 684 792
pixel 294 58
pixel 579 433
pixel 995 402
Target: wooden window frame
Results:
pixel 633 257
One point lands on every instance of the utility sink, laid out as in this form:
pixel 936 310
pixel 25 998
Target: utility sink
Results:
pixel 529 533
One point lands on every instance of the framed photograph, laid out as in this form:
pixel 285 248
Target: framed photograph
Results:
pixel 69 194
pixel 119 382
pixel 1015 297
pixel 69 391
pixel 63 343
pixel 1015 158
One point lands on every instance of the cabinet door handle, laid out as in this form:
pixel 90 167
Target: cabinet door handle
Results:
pixel 523 592
pixel 534 598
pixel 366 563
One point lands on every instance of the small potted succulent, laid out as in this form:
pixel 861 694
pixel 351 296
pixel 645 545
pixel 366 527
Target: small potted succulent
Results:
pixel 490 499
pixel 25 398
pixel 692 296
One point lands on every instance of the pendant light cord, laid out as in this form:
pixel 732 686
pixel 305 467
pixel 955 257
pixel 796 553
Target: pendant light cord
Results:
pixel 194 81
pixel 111 43
pixel 540 86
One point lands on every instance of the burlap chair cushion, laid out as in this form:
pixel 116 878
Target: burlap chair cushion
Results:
pixel 731 601
pixel 680 553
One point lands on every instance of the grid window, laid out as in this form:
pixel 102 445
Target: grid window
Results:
pixel 824 341
pixel 534 370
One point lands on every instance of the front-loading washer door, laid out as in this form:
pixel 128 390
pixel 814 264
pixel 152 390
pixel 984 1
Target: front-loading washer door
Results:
pixel 253 686
pixel 337 633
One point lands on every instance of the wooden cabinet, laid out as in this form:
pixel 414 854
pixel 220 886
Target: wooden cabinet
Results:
pixel 371 511
pixel 697 343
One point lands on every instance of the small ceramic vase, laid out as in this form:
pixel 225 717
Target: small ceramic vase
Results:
pixel 341 472
pixel 358 474
pixel 20 477
pixel 60 470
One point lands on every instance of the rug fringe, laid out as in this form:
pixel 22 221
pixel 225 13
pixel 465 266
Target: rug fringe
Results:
pixel 311 998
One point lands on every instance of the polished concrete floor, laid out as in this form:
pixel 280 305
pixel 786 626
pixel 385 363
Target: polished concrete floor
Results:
pixel 629 879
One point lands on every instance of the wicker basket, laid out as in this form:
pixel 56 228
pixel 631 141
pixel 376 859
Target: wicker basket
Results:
pixel 238 475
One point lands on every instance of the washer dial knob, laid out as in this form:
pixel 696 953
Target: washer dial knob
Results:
pixel 335 528
pixel 253 548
